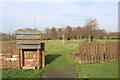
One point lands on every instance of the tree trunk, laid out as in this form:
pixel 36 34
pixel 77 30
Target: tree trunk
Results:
pixel 89 38
pixel 63 39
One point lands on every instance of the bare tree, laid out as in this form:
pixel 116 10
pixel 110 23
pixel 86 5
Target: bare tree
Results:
pixel 47 31
pixel 91 25
pixel 60 32
pixel 63 35
pixel 68 32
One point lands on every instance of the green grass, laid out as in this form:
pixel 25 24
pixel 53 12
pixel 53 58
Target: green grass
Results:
pixel 22 73
pixel 98 70
pixel 58 56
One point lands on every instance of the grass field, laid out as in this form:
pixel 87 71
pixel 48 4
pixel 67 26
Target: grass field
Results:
pixel 58 56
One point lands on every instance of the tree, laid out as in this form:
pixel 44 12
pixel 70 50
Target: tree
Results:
pixel 79 32
pixel 47 31
pixel 91 25
pixel 68 31
pixel 53 33
pixel 100 33
pixel 63 35
pixel 74 33
pixel 60 33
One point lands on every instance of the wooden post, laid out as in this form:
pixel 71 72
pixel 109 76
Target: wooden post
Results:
pixel 43 59
pixel 43 55
pixel 89 53
pixel 95 53
pixel 19 59
pixel 21 53
pixel 106 55
pixel 38 59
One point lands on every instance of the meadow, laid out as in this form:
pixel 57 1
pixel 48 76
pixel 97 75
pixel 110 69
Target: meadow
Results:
pixel 59 56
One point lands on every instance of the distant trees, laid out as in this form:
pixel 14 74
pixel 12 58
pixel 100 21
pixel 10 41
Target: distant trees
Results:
pixel 100 33
pixel 7 36
pixel 69 33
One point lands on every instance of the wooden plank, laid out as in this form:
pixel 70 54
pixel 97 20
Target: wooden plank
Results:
pixel 98 56
pixel 19 58
pixel 80 52
pixel 89 54
pixel 117 50
pixel 114 51
pixel 98 52
pixel 106 55
pixel 82 55
pixel 113 54
pixel 38 33
pixel 26 67
pixel 42 46
pixel 86 52
pixel 101 51
pixel 29 47
pixel 28 42
pixel 108 51
pixel 95 54
pixel 43 59
pixel 21 53
pixel 38 59
pixel 28 37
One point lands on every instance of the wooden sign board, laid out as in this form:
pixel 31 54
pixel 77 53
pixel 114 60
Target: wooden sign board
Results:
pixel 38 37
pixel 29 47
pixel 28 39
pixel 28 42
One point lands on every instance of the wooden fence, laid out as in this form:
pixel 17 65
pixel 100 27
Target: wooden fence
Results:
pixel 99 52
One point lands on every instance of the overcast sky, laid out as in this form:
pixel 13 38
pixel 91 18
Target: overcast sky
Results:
pixel 16 15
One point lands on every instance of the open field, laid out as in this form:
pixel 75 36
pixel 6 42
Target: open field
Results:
pixel 58 56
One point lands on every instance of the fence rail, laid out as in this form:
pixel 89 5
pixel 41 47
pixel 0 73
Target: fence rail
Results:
pixel 99 52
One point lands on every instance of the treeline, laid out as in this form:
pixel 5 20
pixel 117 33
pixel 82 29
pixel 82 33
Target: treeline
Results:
pixel 76 33
pixel 89 31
